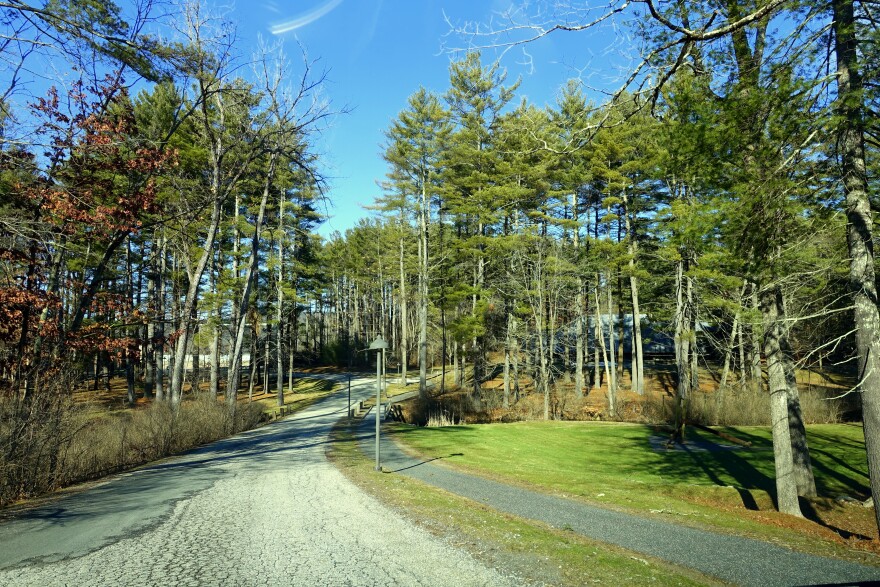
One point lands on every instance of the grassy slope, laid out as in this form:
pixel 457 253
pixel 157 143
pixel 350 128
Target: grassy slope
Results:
pixel 531 551
pixel 614 465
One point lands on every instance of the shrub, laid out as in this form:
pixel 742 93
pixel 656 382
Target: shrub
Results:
pixel 32 434
pixel 745 407
pixel 49 442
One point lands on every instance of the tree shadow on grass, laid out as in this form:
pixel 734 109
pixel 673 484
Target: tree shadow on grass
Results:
pixel 810 513
pixel 723 466
pixel 833 473
pixel 726 467
pixel 316 385
pixel 829 473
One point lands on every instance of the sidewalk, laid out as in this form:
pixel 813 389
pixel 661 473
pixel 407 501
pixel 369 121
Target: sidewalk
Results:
pixel 737 560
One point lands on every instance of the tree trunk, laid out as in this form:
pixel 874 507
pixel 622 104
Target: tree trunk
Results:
pixel 851 114
pixel 149 343
pixel 233 379
pixel 195 349
pixel 638 362
pixel 456 372
pixel 508 341
pixel 774 348
pixel 236 282
pixel 129 378
pixel 620 328
pixel 742 356
pixel 803 468
pixel 404 335
pixel 160 320
pixel 129 353
pixel 252 367
pixel 279 301
pixel 694 370
pixel 600 345
pixel 755 374
pixel 599 341
pixel 279 356
pixel 611 368
pixel 190 303
pixel 214 385
pixel 682 351
pixel 267 358
pixel 290 353
pixel 542 330
pixel 543 378
pixel 639 358
pixel 476 343
pixel 215 361
pixel 580 339
pixel 423 299
pixel 728 352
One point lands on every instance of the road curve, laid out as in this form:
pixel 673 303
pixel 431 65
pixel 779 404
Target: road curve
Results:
pixel 262 508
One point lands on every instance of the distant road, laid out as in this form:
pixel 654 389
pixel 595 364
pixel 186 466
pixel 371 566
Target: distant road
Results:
pixel 262 508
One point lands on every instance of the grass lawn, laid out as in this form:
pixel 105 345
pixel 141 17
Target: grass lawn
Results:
pixel 618 465
pixel 532 552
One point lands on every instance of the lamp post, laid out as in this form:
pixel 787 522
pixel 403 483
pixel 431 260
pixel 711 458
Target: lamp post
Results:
pixel 379 345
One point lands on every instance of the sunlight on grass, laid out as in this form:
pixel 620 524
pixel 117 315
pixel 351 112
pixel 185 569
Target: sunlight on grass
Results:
pixel 524 548
pixel 619 466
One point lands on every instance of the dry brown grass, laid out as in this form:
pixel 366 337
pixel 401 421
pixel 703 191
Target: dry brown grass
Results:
pixel 745 407
pixel 58 438
pixel 707 406
pixel 124 439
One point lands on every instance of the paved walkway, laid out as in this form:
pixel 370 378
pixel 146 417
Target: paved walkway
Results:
pixel 262 508
pixel 736 560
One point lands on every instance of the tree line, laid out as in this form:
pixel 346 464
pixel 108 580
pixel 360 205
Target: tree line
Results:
pixel 724 197
pixel 157 209
pixel 728 196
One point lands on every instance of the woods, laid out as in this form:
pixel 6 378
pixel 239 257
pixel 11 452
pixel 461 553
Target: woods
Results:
pixel 721 203
pixel 143 234
pixel 703 234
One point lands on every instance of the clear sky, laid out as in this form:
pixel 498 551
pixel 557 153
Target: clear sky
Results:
pixel 378 52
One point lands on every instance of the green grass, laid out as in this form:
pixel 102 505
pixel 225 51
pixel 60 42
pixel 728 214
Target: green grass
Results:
pixel 529 550
pixel 614 465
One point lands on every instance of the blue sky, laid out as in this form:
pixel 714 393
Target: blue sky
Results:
pixel 378 52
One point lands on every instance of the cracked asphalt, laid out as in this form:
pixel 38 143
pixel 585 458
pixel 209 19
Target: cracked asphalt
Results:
pixel 262 508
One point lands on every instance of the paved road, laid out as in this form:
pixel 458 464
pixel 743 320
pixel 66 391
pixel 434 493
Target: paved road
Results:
pixel 736 560
pixel 263 508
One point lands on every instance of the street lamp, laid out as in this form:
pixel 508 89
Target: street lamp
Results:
pixel 379 345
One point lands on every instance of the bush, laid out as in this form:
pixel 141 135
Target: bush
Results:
pixel 745 407
pixel 120 441
pixel 50 442
pixel 32 435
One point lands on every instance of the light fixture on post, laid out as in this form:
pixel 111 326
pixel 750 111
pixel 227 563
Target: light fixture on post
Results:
pixel 379 345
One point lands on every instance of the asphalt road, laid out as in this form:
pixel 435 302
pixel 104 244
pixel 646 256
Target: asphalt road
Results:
pixel 736 560
pixel 262 508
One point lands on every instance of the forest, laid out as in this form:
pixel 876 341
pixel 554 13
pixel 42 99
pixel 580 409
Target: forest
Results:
pixel 705 233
